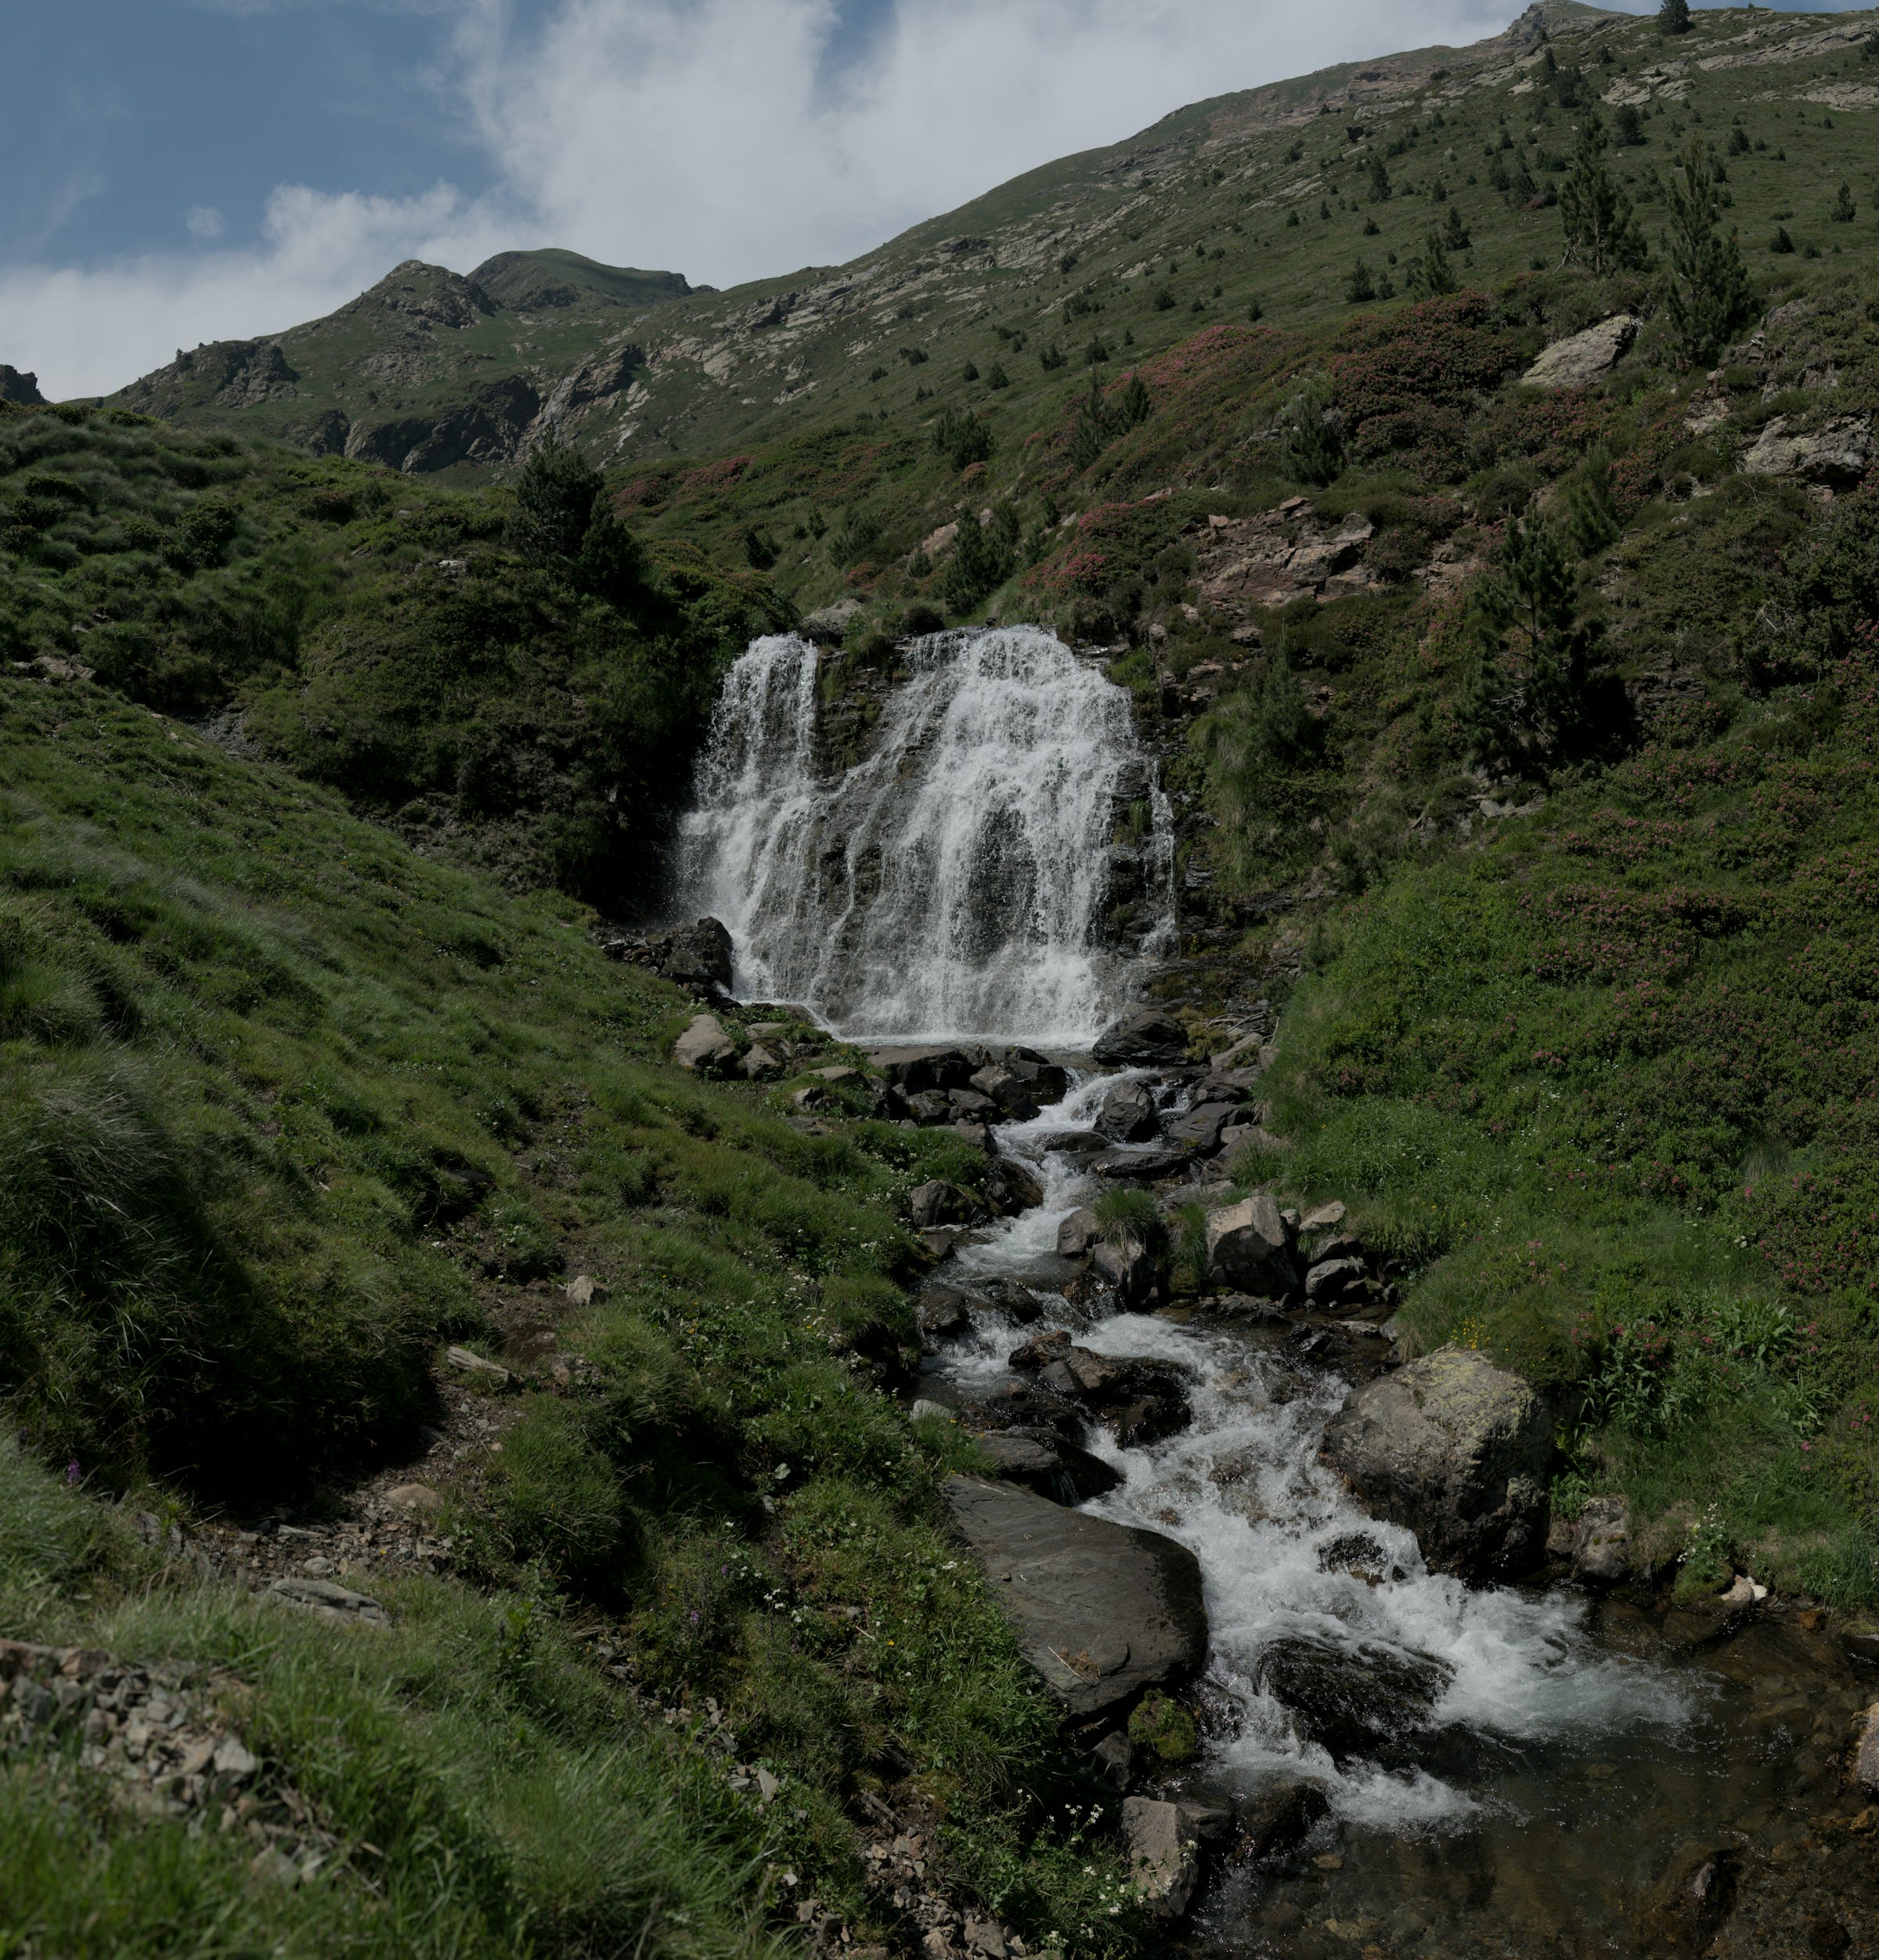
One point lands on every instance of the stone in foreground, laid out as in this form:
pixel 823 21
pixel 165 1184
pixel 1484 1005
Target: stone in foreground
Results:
pixel 704 1044
pixel 1102 1610
pixel 1456 1450
pixel 1162 1841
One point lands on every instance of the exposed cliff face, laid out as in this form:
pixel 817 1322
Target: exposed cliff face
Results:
pixel 22 389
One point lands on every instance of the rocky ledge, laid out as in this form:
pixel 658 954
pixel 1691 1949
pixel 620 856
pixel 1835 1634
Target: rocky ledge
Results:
pixel 1104 1611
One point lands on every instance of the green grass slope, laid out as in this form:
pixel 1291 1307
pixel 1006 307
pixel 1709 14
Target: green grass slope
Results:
pixel 283 1106
pixel 527 712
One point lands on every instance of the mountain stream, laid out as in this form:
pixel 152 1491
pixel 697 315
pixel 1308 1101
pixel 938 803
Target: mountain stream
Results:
pixel 1584 1750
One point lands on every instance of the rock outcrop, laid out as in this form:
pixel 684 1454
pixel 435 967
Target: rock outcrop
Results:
pixel 1582 358
pixel 1456 1450
pixel 1836 454
pixel 1103 1610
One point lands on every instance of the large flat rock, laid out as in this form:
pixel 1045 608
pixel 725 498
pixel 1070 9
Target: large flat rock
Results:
pixel 1103 1610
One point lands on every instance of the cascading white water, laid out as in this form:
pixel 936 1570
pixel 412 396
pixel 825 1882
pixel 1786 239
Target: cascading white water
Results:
pixel 953 882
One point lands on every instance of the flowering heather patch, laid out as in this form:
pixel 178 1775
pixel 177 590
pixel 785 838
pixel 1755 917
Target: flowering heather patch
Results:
pixel 1446 350
pixel 1081 572
pixel 1201 358
pixel 642 492
pixel 714 476
pixel 1553 430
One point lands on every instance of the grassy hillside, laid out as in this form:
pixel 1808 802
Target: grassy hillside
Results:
pixel 1264 198
pixel 514 704
pixel 284 1108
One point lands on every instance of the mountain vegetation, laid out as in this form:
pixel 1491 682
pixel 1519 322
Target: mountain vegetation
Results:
pixel 341 699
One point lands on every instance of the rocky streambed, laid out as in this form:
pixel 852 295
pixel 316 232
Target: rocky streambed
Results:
pixel 1302 1602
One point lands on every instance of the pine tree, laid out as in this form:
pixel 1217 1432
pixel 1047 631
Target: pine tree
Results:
pixel 1844 209
pixel 1314 440
pixel 1710 295
pixel 1591 512
pixel 1455 238
pixel 1359 286
pixel 1527 608
pixel 1430 276
pixel 1381 187
pixel 1673 16
pixel 1601 231
pixel 555 491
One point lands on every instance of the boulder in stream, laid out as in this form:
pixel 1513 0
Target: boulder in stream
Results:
pixel 1278 1818
pixel 1138 1161
pixel 1456 1450
pixel 1249 1247
pixel 1353 1701
pixel 1127 1114
pixel 1163 1841
pixel 1148 1040
pixel 1046 1464
pixel 1077 1233
pixel 1102 1610
pixel 1601 1542
pixel 1129 1269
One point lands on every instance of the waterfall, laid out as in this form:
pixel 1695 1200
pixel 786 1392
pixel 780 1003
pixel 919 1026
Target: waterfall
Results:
pixel 964 877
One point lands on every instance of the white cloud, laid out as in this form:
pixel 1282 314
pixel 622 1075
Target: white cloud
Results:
pixel 710 137
pixel 204 222
pixel 89 330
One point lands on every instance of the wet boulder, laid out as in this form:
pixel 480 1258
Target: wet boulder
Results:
pixel 1013 1299
pixel 1127 1114
pixel 1353 1701
pixel 1136 1399
pixel 1046 1464
pixel 1126 1268
pixel 700 955
pixel 1457 1450
pixel 1102 1610
pixel 1047 1081
pixel 1249 1247
pixel 946 1312
pixel 938 1202
pixel 1138 1161
pixel 1007 1091
pixel 1011 1186
pixel 1148 1040
pixel 1069 1143
pixel 1077 1233
pixel 1279 1817
pixel 1687 1907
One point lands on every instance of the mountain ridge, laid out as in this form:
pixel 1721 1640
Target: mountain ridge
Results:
pixel 633 365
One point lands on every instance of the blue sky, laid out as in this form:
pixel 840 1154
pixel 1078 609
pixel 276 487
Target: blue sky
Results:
pixel 186 170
